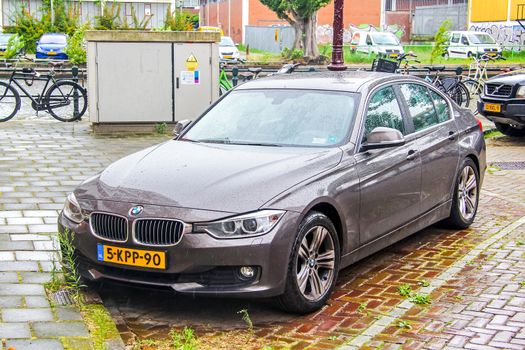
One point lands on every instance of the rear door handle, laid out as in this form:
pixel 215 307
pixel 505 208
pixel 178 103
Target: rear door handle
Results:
pixel 412 154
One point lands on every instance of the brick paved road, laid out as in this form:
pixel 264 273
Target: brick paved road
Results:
pixel 474 275
pixel 40 162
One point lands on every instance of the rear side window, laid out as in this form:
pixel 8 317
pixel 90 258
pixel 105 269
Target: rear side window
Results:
pixel 383 111
pixel 441 105
pixel 420 106
pixel 455 38
pixel 355 39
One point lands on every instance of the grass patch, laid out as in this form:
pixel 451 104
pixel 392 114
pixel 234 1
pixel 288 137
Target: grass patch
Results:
pixel 424 283
pixel 161 128
pixel 492 134
pixel 420 299
pixel 100 324
pixel 404 290
pixel 183 340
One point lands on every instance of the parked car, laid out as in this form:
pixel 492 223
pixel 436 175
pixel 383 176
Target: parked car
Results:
pixel 503 102
pixel 4 38
pixel 464 44
pixel 377 43
pixel 52 45
pixel 279 185
pixel 227 50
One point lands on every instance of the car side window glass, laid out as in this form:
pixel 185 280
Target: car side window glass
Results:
pixel 441 105
pixel 455 38
pixel 464 40
pixel 368 40
pixel 420 106
pixel 383 111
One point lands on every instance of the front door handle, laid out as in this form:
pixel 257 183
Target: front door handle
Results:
pixel 412 154
pixel 451 135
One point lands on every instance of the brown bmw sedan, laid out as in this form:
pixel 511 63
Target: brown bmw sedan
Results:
pixel 279 185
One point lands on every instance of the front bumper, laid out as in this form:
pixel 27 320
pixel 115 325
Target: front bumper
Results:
pixel 512 111
pixel 58 56
pixel 199 264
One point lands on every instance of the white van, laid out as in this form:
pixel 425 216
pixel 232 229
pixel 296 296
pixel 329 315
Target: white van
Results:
pixel 466 44
pixel 376 43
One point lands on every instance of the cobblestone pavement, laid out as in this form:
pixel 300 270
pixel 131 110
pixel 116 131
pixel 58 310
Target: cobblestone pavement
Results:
pixel 40 162
pixel 473 278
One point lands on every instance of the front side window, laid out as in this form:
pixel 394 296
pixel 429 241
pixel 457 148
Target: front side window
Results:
pixel 455 38
pixel 420 106
pixel 383 111
pixel 278 117
pixel 464 40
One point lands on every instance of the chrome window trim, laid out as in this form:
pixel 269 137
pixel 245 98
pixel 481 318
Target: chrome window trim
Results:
pixel 107 239
pixel 186 228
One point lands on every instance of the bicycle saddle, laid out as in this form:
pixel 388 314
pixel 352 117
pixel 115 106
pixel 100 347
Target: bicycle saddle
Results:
pixel 436 68
pixel 56 64
pixel 255 70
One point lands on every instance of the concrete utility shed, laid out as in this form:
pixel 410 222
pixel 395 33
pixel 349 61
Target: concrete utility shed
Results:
pixel 139 78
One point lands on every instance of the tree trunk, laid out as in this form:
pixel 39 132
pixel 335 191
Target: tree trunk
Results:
pixel 311 51
pixel 298 41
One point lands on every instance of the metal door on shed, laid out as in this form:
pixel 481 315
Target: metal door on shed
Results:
pixel 134 82
pixel 194 97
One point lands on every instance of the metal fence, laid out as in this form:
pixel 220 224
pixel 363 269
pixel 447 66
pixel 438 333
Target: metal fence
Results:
pixel 427 19
pixel 272 39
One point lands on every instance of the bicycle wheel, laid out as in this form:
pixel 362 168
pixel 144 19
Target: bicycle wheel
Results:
pixel 9 102
pixel 66 101
pixel 475 88
pixel 460 93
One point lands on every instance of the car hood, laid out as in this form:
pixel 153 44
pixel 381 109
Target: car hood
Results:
pixel 229 178
pixel 227 49
pixel 511 78
pixel 50 47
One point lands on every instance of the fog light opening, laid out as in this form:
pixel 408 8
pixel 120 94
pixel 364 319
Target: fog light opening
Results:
pixel 247 272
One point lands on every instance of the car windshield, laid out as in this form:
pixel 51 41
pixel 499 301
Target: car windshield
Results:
pixel 226 41
pixel 481 39
pixel 53 39
pixel 385 39
pixel 4 38
pixel 288 117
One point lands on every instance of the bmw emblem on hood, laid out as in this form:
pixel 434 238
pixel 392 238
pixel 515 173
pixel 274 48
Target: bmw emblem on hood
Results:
pixel 135 211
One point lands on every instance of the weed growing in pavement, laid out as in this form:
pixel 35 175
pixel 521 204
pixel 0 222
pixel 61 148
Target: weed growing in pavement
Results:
pixel 332 337
pixel 522 284
pixel 404 324
pixel 362 307
pixel 246 318
pixel 424 283
pixel 100 324
pixel 404 290
pixel 459 297
pixel 267 347
pixel 183 340
pixel 491 169
pixel 492 134
pixel 520 242
pixel 161 128
pixel 420 299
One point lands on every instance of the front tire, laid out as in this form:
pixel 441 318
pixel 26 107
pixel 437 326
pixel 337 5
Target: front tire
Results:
pixel 9 102
pixel 66 101
pixel 313 266
pixel 509 130
pixel 466 196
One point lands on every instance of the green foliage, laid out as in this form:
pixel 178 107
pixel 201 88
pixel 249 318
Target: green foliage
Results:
pixel 420 299
pixel 424 283
pixel 161 128
pixel 440 40
pixel 294 54
pixel 76 49
pixel 246 318
pixel 15 44
pixel 177 21
pixel 100 324
pixel 109 19
pixel 362 307
pixel 404 290
pixel 520 242
pixel 135 23
pixel 184 340
pixel 404 324
pixel 290 9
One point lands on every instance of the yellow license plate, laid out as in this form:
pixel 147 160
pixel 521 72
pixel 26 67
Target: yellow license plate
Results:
pixel 394 55
pixel 132 257
pixel 492 107
pixel 228 56
pixel 51 53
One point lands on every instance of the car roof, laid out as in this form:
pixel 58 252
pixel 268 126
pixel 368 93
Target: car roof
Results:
pixel 467 32
pixel 54 34
pixel 349 81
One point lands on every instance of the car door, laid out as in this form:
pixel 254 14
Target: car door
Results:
pixel 465 46
pixel 436 134
pixel 390 178
pixel 453 50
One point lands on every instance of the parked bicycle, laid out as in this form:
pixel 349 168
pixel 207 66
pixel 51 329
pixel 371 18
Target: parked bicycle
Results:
pixel 477 74
pixel 452 86
pixel 65 100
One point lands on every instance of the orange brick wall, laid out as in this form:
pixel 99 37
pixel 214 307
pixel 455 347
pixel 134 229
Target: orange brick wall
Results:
pixel 217 16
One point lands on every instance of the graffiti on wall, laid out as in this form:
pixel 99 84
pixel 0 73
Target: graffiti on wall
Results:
pixel 325 32
pixel 505 34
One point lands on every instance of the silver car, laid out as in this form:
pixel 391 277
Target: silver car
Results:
pixel 279 185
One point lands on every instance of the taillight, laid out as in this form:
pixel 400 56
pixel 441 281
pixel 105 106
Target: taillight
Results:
pixel 480 124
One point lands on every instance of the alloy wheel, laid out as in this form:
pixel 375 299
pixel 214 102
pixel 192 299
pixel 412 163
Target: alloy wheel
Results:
pixel 315 263
pixel 468 193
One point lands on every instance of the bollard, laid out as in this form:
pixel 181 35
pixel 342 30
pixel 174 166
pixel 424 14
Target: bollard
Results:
pixel 235 78
pixel 74 72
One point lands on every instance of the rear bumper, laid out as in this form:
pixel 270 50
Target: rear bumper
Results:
pixel 512 112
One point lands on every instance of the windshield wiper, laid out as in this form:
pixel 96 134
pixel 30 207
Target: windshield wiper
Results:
pixel 223 140
pixel 257 144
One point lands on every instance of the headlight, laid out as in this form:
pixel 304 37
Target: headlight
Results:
pixel 521 92
pixel 253 224
pixel 72 209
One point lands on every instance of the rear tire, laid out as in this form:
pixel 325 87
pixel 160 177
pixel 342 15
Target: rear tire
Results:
pixel 509 130
pixel 9 102
pixel 313 266
pixel 465 197
pixel 61 99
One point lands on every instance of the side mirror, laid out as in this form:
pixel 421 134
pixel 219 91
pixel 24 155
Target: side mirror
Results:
pixel 180 126
pixel 382 137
